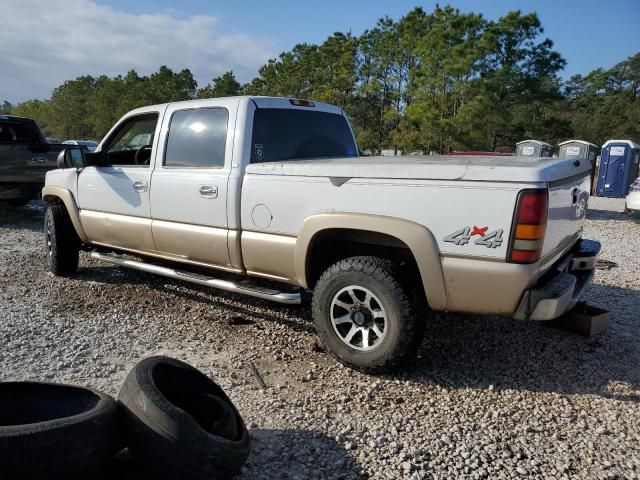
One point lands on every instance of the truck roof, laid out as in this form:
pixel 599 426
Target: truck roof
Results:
pixel 15 118
pixel 259 102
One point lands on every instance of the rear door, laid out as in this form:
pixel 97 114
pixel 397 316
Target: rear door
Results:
pixel 23 153
pixel 189 183
pixel 114 196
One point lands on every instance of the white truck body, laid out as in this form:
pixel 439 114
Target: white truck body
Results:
pixel 454 217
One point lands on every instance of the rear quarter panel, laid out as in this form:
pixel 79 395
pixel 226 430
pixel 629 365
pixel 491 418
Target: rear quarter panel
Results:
pixel 445 208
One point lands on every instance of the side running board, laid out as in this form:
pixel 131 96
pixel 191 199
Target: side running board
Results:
pixel 253 291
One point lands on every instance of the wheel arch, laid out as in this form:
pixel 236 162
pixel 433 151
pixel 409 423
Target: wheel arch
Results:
pixel 55 194
pixel 419 241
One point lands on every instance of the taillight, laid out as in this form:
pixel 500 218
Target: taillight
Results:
pixel 530 224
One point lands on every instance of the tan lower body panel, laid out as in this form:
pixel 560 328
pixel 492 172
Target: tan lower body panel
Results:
pixel 481 286
pixel 235 249
pixel 51 193
pixel 270 256
pixel 192 242
pixel 118 230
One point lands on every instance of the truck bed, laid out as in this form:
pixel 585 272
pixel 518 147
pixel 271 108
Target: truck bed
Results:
pixel 437 167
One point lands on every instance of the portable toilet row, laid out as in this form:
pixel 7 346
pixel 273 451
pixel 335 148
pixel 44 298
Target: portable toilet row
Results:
pixel 534 148
pixel 619 161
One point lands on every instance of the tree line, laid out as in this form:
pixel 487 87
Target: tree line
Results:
pixel 432 81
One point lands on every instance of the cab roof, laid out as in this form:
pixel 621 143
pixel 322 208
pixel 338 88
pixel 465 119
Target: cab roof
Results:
pixel 258 101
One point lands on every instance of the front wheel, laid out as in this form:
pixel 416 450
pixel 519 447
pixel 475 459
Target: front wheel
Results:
pixel 61 241
pixel 364 316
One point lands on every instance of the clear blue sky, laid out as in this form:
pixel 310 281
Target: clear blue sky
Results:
pixel 588 33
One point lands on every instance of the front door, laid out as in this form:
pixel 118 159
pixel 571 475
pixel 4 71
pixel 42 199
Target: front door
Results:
pixel 189 183
pixel 114 196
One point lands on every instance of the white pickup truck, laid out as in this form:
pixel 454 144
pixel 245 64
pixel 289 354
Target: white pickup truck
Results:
pixel 261 188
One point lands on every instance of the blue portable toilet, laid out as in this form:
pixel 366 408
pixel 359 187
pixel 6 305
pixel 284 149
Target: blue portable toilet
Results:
pixel 618 168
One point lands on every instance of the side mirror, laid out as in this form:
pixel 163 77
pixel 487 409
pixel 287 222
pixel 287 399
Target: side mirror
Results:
pixel 71 158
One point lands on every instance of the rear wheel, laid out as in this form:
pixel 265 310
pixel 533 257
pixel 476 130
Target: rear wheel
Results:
pixel 365 316
pixel 61 241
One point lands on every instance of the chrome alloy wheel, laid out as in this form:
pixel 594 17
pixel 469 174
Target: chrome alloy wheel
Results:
pixel 358 318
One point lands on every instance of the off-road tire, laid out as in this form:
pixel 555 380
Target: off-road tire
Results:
pixel 62 244
pixel 384 279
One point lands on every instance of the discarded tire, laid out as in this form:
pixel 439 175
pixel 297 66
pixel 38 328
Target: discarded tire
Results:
pixel 54 431
pixel 180 423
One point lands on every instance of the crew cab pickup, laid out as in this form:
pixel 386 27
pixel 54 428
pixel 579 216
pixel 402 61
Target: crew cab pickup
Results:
pixel 259 188
pixel 25 157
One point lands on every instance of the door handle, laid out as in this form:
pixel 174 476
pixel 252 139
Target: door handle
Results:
pixel 39 159
pixel 140 186
pixel 208 191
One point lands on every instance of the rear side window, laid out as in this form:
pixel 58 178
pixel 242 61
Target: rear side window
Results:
pixel 288 134
pixel 14 132
pixel 197 138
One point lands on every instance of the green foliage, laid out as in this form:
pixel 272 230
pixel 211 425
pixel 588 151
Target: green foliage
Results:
pixel 605 104
pixel 223 86
pixel 87 107
pixel 431 81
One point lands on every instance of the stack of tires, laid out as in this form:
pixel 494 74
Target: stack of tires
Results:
pixel 173 418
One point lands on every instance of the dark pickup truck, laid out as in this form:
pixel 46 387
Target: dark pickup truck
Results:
pixel 25 158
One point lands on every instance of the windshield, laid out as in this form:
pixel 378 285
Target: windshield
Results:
pixel 287 134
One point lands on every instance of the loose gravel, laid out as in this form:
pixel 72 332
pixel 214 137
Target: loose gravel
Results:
pixel 487 397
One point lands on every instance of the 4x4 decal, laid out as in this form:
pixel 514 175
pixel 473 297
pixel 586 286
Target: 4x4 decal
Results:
pixel 488 239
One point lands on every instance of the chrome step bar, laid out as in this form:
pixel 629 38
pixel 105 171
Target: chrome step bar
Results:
pixel 253 291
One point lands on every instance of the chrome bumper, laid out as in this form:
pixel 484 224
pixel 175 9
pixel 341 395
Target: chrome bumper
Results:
pixel 560 289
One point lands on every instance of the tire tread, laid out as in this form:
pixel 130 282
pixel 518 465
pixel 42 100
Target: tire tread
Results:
pixel 386 273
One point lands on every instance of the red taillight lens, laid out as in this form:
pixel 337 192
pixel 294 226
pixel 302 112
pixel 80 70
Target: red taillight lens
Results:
pixel 532 207
pixel 530 224
pixel 525 256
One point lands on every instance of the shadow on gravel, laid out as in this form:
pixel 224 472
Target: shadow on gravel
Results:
pixel 608 215
pixel 29 217
pixel 176 290
pixel 501 353
pixel 274 454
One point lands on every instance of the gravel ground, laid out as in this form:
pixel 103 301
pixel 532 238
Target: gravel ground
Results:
pixel 487 397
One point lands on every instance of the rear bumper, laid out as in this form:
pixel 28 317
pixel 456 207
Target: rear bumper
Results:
pixel 561 287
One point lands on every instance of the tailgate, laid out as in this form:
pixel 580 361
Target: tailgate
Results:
pixel 568 200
